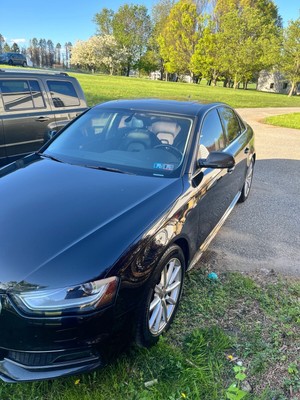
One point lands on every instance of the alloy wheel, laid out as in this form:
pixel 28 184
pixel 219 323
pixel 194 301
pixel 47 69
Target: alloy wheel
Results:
pixel 165 297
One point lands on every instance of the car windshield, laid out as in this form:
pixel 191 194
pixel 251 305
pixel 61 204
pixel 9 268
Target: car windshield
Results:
pixel 128 141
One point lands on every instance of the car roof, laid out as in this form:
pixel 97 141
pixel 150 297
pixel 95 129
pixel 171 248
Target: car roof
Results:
pixel 13 53
pixel 188 108
pixel 11 72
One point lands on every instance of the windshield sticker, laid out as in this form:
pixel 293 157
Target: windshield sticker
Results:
pixel 165 167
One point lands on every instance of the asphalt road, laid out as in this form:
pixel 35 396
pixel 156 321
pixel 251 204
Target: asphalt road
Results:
pixel 264 232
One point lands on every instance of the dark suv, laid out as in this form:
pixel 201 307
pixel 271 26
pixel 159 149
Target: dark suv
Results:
pixel 13 59
pixel 33 106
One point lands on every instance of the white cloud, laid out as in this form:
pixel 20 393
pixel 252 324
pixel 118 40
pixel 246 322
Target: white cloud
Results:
pixel 21 40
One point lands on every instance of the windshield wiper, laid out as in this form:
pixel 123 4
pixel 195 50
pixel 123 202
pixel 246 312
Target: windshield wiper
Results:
pixel 102 168
pixel 48 156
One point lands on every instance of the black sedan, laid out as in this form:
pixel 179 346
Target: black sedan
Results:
pixel 98 228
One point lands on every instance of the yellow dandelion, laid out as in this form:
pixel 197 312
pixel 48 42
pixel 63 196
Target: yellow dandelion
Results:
pixel 77 381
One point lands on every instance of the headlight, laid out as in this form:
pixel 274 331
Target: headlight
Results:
pixel 81 298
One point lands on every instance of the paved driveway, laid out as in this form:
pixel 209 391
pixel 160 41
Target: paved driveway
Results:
pixel 264 232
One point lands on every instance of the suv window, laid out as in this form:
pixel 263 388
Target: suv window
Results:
pixel 21 94
pixel 230 122
pixel 212 136
pixel 63 94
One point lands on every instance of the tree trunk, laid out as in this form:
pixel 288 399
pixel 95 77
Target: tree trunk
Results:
pixel 235 83
pixel 192 77
pixel 292 89
pixel 161 74
pixel 245 84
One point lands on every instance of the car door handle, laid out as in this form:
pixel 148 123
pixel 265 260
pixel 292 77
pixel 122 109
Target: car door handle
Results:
pixel 42 119
pixel 246 151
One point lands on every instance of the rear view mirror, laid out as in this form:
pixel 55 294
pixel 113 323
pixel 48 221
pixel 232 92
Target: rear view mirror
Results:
pixel 217 159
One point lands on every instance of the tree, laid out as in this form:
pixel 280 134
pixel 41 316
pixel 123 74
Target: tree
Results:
pixel 242 41
pixel 179 37
pixel 132 29
pixel 205 61
pixel 267 9
pixel 43 52
pixel 2 41
pixel 290 60
pixel 104 21
pixel 50 53
pixel 68 49
pixel 15 48
pixel 160 13
pixel 58 53
pixel 34 51
pixel 98 52
pixel 149 62
pixel 6 48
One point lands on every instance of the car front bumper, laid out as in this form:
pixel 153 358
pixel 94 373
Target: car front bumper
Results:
pixel 13 371
pixel 35 348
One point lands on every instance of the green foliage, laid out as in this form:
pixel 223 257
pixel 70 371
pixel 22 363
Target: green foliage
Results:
pixel 290 61
pixel 179 37
pixel 132 28
pixel 149 62
pixel 238 42
pixel 15 48
pixel 103 20
pixel 206 61
pixel 6 48
pixel 244 39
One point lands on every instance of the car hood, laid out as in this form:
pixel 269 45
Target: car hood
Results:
pixel 63 224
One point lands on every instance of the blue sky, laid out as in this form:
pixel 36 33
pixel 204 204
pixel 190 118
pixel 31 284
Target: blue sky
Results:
pixel 70 20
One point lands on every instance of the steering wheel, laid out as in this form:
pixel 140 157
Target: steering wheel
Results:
pixel 169 148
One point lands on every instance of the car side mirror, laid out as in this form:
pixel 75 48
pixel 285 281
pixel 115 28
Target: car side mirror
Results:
pixel 217 159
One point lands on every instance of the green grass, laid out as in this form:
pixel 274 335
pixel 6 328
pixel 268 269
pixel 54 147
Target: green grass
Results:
pixel 254 319
pixel 286 120
pixel 100 88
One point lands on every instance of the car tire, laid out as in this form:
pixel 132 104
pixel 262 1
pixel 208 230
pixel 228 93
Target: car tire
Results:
pixel 24 64
pixel 162 295
pixel 248 182
pixel 10 62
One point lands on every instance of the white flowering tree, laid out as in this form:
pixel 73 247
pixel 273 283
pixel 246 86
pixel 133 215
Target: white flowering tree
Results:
pixel 98 52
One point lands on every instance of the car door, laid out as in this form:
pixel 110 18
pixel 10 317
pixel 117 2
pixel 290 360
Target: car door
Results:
pixel 26 115
pixel 67 101
pixel 237 144
pixel 215 189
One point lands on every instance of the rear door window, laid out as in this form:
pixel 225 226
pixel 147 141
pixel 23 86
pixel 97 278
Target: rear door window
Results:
pixel 21 94
pixel 63 94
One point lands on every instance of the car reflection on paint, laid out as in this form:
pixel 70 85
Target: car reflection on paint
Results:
pixel 99 227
